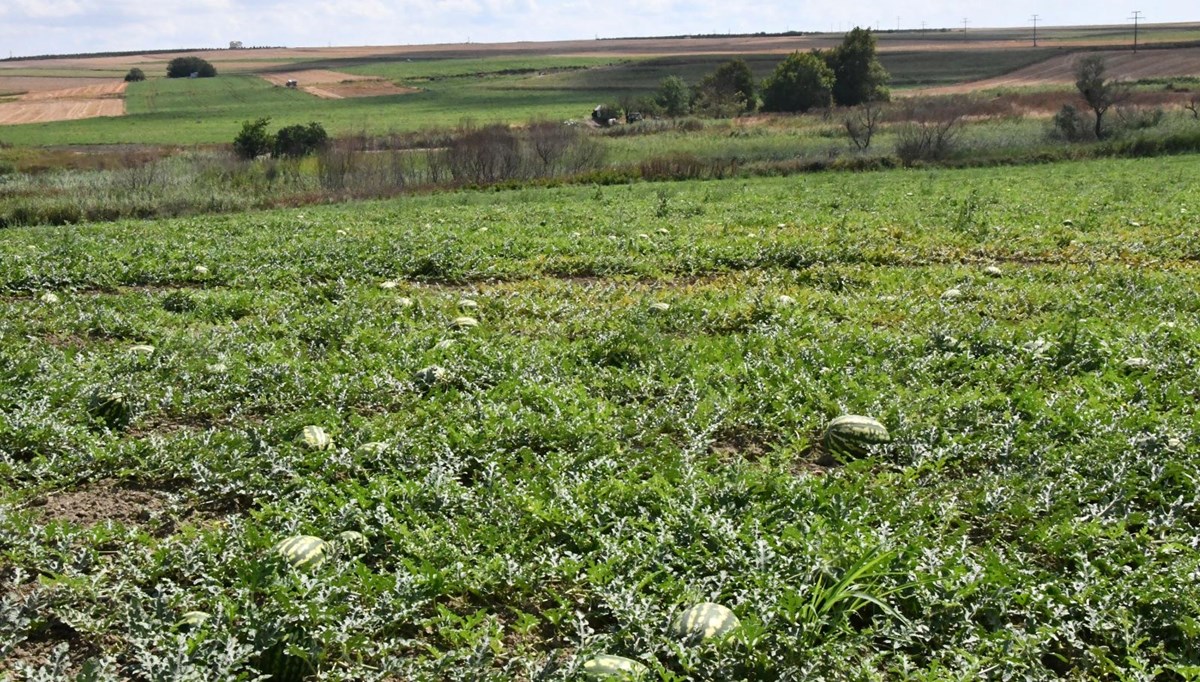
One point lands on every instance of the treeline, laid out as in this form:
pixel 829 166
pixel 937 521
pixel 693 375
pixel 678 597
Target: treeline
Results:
pixel 135 53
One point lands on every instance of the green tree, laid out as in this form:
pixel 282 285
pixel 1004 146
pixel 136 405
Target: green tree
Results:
pixel 858 75
pixel 799 83
pixel 299 140
pixel 184 67
pixel 135 74
pixel 729 88
pixel 1099 93
pixel 253 140
pixel 673 96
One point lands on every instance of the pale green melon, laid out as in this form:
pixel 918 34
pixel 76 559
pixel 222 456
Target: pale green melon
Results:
pixel 192 620
pixel 613 668
pixel 704 622
pixel 314 438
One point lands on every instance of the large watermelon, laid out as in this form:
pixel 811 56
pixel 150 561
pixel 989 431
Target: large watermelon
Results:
pixel 851 435
pixel 281 665
pixel 110 407
pixel 302 551
pixel 703 622
pixel 610 667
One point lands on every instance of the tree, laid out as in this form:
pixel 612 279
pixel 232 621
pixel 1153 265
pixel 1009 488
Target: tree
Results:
pixel 1100 94
pixel 858 75
pixel 299 140
pixel 135 74
pixel 729 88
pixel 184 67
pixel 673 96
pixel 254 140
pixel 799 83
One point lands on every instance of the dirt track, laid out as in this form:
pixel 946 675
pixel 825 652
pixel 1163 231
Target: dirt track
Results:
pixel 337 85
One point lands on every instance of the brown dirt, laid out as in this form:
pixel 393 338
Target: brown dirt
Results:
pixel 337 85
pixel 1124 65
pixel 103 501
pixel 104 98
pixel 38 649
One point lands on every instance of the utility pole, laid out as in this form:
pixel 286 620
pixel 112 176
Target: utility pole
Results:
pixel 1135 17
pixel 964 27
pixel 922 29
pixel 1035 18
pixel 897 23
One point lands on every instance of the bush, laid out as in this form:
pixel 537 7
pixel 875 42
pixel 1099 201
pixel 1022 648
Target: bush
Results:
pixel 135 74
pixel 299 140
pixel 184 67
pixel 927 140
pixel 253 140
pixel 1071 125
pixel 673 96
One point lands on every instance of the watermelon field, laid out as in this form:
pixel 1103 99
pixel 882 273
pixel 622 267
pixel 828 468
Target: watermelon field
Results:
pixel 526 431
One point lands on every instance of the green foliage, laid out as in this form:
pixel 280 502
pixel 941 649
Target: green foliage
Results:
pixel 298 140
pixel 727 91
pixel 800 82
pixel 1070 125
pixel 185 67
pixel 590 466
pixel 254 140
pixel 673 96
pixel 858 75
pixel 135 75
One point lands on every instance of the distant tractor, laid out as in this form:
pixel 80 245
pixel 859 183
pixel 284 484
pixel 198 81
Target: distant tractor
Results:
pixel 291 83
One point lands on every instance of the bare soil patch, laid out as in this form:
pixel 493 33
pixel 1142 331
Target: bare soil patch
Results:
pixel 337 85
pixel 103 501
pixel 38 650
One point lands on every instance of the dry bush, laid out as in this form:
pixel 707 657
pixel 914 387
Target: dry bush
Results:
pixel 930 133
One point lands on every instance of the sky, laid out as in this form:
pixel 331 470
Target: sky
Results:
pixel 38 27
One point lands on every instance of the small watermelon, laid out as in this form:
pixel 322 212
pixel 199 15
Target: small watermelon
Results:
pixel 464 322
pixel 389 284
pixel 200 270
pixel 1137 364
pixel 142 350
pixel 49 298
pixel 192 620
pixel 607 667
pixel 302 551
pixel 352 543
pixel 703 622
pixel 660 307
pixel 374 448
pixel 315 438
pixel 431 376
pixel 852 434
pixel 467 304
pixel 109 407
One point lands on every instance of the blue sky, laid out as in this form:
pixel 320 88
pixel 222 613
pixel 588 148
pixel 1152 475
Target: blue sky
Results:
pixel 32 27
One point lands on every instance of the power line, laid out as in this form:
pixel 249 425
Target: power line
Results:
pixel 1135 17
pixel 1035 18
pixel 964 26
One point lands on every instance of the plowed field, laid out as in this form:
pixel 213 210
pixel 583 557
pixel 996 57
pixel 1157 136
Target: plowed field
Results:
pixel 337 85
pixel 86 101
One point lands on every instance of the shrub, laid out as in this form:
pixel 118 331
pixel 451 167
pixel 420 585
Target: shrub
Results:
pixel 135 74
pixel 673 96
pixel 184 67
pixel 927 139
pixel 253 140
pixel 300 140
pixel 1071 125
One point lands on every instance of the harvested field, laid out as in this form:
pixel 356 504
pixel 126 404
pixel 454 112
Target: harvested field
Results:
pixel 1125 65
pixel 28 85
pixel 87 101
pixel 337 85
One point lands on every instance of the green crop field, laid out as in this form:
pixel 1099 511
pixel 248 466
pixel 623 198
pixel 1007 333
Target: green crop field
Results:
pixel 632 427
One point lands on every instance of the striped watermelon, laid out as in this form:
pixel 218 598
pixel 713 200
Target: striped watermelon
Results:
pixel 351 542
pixel 109 407
pixel 302 551
pixel 142 349
pixel 374 448
pixel 315 438
pixel 704 622
pixel 610 667
pixel 431 376
pixel 464 322
pixel 852 435
pixel 281 665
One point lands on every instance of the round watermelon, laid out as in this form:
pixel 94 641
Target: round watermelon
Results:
pixel 351 542
pixel 302 551
pixel 703 622
pixel 431 376
pixel 282 666
pixel 109 407
pixel 609 667
pixel 660 307
pixel 464 322
pixel 315 438
pixel 852 435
